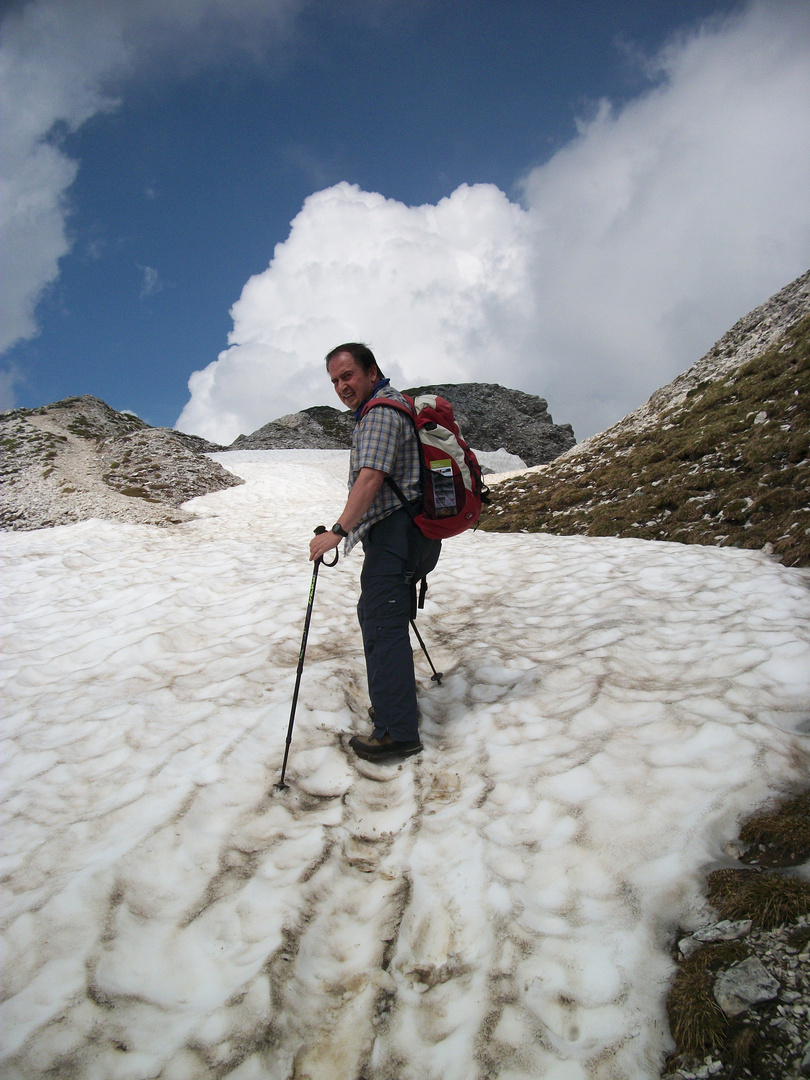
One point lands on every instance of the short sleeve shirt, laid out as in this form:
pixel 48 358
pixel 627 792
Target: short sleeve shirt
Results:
pixel 385 440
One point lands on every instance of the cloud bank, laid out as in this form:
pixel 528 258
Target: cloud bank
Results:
pixel 61 64
pixel 626 256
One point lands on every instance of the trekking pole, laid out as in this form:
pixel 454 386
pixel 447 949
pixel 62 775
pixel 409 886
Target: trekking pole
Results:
pixel 437 675
pixel 281 786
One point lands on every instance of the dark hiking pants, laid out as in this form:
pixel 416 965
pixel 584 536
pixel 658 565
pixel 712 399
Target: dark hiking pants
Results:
pixel 392 547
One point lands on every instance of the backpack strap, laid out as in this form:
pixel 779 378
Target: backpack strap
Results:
pixel 409 508
pixel 407 407
pixel 417 602
pixel 409 410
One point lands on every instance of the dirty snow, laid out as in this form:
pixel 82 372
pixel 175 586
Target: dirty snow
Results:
pixel 502 906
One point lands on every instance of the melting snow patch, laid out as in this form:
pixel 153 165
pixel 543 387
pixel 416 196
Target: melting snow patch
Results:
pixel 499 906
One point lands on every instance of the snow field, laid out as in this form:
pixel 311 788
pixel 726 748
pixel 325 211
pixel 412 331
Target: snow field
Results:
pixel 502 905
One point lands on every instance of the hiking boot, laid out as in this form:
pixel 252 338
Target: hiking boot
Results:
pixel 384 749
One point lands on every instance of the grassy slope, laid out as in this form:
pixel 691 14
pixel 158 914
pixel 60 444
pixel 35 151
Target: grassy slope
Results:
pixel 730 465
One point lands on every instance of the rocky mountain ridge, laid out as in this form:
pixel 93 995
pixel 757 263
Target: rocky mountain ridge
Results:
pixel 750 337
pixel 79 458
pixel 491 418
pixel 721 455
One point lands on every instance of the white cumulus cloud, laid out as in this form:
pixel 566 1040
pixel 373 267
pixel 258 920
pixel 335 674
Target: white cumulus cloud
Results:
pixel 629 252
pixel 428 286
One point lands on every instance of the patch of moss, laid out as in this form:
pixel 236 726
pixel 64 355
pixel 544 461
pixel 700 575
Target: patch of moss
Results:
pixel 136 493
pixel 83 427
pixel 780 835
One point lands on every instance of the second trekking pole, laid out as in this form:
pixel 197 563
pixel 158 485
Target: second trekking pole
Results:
pixel 437 676
pixel 281 786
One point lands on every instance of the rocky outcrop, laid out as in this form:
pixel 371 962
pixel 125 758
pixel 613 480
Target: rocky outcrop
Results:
pixel 491 418
pixel 78 458
pixel 318 428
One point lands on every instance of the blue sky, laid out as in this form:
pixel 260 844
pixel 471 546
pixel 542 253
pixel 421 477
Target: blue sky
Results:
pixel 574 199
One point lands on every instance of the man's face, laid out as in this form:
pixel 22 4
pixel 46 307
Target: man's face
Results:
pixel 352 385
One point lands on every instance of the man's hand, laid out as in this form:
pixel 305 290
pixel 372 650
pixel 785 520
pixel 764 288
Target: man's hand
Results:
pixel 320 544
pixel 365 487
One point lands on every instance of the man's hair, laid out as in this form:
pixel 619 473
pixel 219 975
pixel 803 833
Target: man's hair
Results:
pixel 361 353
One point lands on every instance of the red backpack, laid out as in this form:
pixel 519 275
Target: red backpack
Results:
pixel 452 487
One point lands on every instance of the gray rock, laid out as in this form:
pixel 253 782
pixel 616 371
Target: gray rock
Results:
pixel 318 428
pixel 742 985
pixel 735 849
pixel 724 931
pixel 491 418
pixel 689 945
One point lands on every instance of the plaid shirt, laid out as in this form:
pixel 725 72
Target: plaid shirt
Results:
pixel 384 439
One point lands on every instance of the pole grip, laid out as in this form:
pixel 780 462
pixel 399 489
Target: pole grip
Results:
pixel 322 529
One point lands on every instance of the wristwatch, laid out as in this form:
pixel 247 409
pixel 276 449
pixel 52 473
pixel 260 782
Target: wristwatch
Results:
pixel 338 530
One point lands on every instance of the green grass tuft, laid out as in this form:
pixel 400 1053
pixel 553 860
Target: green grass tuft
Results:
pixel 768 899
pixel 783 832
pixel 697 1022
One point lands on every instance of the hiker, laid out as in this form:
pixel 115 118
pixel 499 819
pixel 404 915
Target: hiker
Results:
pixel 397 554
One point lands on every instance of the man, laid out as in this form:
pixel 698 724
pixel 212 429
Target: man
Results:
pixel 384 444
